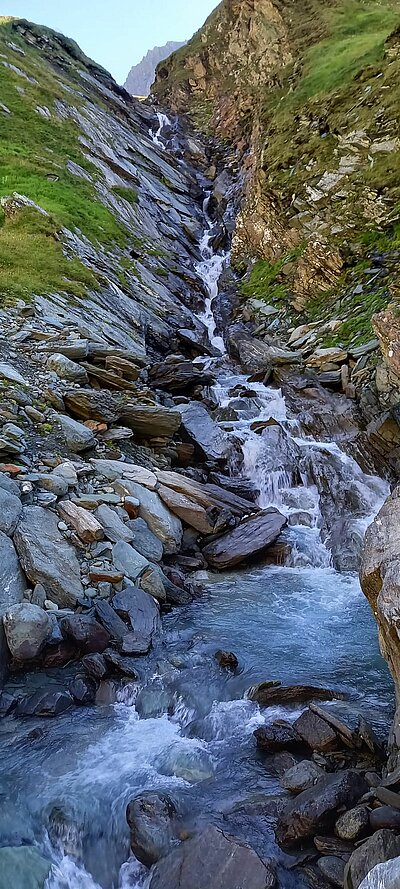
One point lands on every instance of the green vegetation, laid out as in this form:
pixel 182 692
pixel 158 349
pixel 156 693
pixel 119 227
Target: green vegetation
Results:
pixel 32 260
pixel 127 193
pixel 37 143
pixel 265 280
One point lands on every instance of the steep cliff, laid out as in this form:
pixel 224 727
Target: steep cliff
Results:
pixel 307 92
pixel 141 76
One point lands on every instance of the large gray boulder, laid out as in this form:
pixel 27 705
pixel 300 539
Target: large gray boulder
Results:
pixel 140 609
pixel 67 369
pixel 250 538
pixel 46 556
pixel 213 860
pixel 128 560
pixel 203 432
pixel 166 526
pixel 384 876
pixel 77 436
pixel 12 587
pixel 144 541
pixel 27 628
pixel 10 511
pixel 23 867
pixel 314 810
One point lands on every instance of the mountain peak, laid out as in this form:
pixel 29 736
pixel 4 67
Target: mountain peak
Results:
pixel 141 76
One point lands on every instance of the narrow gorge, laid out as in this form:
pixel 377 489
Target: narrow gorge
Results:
pixel 199 393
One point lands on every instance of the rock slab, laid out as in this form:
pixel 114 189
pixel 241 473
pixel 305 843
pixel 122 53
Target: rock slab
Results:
pixel 46 556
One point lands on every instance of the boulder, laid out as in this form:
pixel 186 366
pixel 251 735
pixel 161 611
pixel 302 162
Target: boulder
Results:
pixel 87 634
pixel 77 436
pixel 268 694
pixel 203 432
pixel 382 846
pixel 316 732
pixel 124 665
pixel 95 665
pixel 207 495
pixel 152 821
pixel 114 528
pixel 67 369
pixel 277 736
pixel 302 776
pixel 314 810
pixel 248 540
pixel 140 609
pixel 226 659
pixel 23 867
pixel 47 557
pixel 148 421
pixel 179 375
pixel 81 520
pixel 113 469
pixel 111 621
pixel 144 541
pixel 385 876
pixel 353 823
pixel 83 689
pixel 213 860
pixel 12 588
pixel 44 703
pixel 166 526
pixel 27 628
pixel 127 560
pixel 10 511
pixel 385 817
pixel 190 512
pixel 332 867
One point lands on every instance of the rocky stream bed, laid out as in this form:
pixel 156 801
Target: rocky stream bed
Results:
pixel 193 682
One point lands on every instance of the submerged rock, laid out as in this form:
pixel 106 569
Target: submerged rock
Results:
pixel 23 867
pixel 44 703
pixel 192 765
pixel 213 860
pixel 152 821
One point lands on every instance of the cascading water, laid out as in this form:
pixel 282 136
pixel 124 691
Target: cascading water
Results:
pixel 163 121
pixel 189 730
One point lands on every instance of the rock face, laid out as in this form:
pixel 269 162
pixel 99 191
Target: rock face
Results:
pixel 47 557
pixel 212 860
pixel 249 539
pixel 141 76
pixel 314 810
pixel 380 582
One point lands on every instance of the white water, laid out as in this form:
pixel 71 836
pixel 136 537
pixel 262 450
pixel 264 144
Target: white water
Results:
pixel 209 270
pixel 163 121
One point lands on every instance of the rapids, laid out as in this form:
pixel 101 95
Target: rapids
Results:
pixel 189 728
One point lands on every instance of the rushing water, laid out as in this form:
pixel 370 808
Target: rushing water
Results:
pixel 188 729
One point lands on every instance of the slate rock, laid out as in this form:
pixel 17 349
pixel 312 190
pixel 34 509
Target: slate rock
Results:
pixel 332 867
pixel 127 560
pixel 23 867
pixel 95 665
pixel 111 621
pixel 166 526
pixel 152 821
pixel 27 628
pixel 140 609
pixel 213 860
pixel 12 587
pixel 114 528
pixel 10 511
pixel 385 817
pixel 67 369
pixel 382 846
pixel 314 810
pixel 301 776
pixel 88 635
pixel 83 689
pixel 252 537
pixel 204 432
pixel 44 703
pixel 316 732
pixel 123 664
pixel 277 736
pixel 77 436
pixel 47 557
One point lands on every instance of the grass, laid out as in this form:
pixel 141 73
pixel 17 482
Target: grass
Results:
pixel 34 151
pixel 32 260
pixel 265 281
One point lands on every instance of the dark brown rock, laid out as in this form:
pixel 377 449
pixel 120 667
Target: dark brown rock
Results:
pixel 152 821
pixel 87 634
pixel 316 732
pixel 83 689
pixel 278 736
pixel 266 694
pixel 227 659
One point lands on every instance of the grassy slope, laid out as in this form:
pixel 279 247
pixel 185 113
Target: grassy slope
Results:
pixel 34 151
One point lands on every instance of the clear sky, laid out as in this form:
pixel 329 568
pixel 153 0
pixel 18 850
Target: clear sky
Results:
pixel 116 33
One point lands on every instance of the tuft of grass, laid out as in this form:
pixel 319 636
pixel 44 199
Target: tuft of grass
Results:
pixel 265 281
pixel 127 193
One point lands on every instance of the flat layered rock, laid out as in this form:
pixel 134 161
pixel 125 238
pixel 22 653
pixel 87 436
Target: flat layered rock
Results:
pixel 46 556
pixel 189 511
pixel 179 375
pixel 113 469
pixel 140 609
pixel 127 560
pixel 83 522
pixel 316 732
pixel 44 703
pixel 10 511
pixel 166 526
pixel 203 432
pixel 268 694
pixel 149 421
pixel 314 810
pixel 249 539
pixel 206 495
pixel 213 860
pixel 114 528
